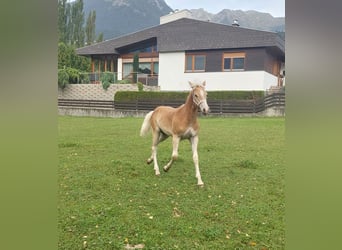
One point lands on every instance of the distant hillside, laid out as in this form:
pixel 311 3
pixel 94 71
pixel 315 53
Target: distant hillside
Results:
pixel 247 19
pixel 118 17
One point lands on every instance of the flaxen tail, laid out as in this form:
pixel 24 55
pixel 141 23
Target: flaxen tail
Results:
pixel 146 126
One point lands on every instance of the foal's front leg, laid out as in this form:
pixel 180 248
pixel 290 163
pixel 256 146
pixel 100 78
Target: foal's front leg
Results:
pixel 194 143
pixel 175 143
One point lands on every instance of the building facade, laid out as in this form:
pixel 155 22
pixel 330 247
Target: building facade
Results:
pixel 182 49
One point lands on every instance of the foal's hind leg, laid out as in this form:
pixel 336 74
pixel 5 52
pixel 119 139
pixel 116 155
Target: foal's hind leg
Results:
pixel 161 138
pixel 157 137
pixel 175 143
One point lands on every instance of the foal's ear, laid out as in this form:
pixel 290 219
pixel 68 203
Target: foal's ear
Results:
pixel 203 84
pixel 192 85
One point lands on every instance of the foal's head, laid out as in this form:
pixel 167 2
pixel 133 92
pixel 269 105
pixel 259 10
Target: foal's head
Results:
pixel 199 97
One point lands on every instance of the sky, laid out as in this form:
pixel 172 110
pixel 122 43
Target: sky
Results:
pixel 275 7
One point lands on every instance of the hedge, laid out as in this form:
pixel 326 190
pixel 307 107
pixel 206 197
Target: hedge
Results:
pixel 126 96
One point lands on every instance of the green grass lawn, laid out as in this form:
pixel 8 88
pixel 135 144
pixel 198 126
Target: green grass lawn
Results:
pixel 109 197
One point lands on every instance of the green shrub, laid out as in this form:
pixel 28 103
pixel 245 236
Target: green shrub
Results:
pixel 140 86
pixel 124 81
pixel 181 95
pixel 105 85
pixel 107 78
pixel 84 78
pixel 149 95
pixel 63 78
pixel 74 75
pixel 235 95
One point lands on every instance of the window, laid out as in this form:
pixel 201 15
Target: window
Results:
pixel 127 69
pixel 233 61
pixel 194 63
pixel 143 49
pixel 145 68
pixel 155 68
pixel 149 68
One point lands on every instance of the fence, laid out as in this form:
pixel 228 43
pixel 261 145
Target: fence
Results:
pixel 85 103
pixel 216 106
pixel 274 100
pixel 96 78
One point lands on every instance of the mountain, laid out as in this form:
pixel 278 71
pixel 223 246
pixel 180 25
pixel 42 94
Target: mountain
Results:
pixel 247 19
pixel 119 17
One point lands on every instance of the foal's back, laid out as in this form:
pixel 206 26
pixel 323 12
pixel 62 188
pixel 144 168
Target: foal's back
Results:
pixel 162 118
pixel 172 120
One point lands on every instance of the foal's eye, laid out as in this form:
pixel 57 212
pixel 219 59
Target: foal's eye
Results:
pixel 196 95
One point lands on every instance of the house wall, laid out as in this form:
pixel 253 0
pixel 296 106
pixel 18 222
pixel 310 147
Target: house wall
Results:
pixel 119 63
pixel 254 59
pixel 175 15
pixel 173 77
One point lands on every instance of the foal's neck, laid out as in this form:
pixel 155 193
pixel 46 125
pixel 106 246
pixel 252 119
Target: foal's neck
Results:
pixel 190 106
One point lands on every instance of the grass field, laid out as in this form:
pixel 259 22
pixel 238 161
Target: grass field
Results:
pixel 110 199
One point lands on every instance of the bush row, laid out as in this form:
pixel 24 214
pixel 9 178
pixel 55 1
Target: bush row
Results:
pixel 126 96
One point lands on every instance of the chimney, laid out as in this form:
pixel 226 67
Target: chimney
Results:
pixel 235 23
pixel 175 15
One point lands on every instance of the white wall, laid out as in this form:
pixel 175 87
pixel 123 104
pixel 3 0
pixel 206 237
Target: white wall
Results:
pixel 119 70
pixel 172 76
pixel 175 15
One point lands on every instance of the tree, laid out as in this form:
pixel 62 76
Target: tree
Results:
pixel 90 27
pixel 135 67
pixel 99 38
pixel 67 58
pixel 76 24
pixel 72 29
pixel 63 55
pixel 62 20
pixel 71 35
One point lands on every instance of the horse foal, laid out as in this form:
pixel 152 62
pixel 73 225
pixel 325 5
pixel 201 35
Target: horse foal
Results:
pixel 179 123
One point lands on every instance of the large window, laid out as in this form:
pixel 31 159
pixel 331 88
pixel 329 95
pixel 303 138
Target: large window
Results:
pixel 149 68
pixel 233 61
pixel 145 68
pixel 194 63
pixel 127 69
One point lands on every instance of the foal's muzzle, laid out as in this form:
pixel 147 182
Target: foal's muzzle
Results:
pixel 204 108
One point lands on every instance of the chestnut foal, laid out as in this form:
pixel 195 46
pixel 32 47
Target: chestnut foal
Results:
pixel 179 123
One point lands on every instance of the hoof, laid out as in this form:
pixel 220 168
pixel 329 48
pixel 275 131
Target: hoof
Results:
pixel 157 174
pixel 165 169
pixel 149 161
pixel 200 185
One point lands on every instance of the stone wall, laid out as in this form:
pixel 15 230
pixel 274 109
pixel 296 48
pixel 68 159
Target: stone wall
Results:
pixel 94 112
pixel 96 91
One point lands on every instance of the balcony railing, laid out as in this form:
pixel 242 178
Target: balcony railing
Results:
pixel 96 78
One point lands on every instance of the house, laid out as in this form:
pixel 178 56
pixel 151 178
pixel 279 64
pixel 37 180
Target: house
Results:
pixel 183 49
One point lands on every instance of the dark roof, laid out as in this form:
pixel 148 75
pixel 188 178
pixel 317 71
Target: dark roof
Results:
pixel 188 34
